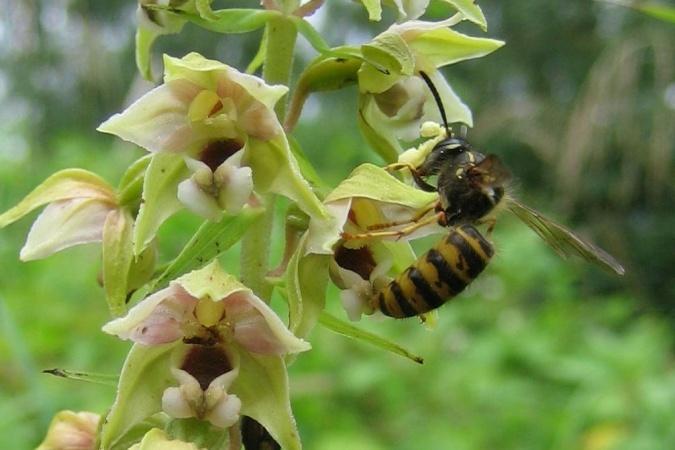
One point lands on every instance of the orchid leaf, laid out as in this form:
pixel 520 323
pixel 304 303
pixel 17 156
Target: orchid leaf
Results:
pixel 117 259
pixel 145 376
pixel 346 329
pixel 443 46
pixel 164 173
pixel 262 386
pixel 63 185
pixel 210 240
pixel 88 377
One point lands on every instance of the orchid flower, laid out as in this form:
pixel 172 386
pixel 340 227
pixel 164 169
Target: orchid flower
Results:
pixel 220 139
pixel 217 339
pixel 394 100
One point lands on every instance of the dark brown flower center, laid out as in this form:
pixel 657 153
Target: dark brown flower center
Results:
pixel 359 260
pixel 216 152
pixel 206 363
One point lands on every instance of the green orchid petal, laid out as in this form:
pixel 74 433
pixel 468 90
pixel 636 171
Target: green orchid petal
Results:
pixel 131 184
pixel 206 73
pixel 389 52
pixel 164 173
pixel 383 142
pixel 145 376
pixel 276 170
pixel 306 280
pixel 145 39
pixel 262 386
pixel 71 430
pixel 117 259
pixel 442 46
pixel 470 10
pixel 232 20
pixel 63 185
pixel 456 110
pixel 157 439
pixel 375 183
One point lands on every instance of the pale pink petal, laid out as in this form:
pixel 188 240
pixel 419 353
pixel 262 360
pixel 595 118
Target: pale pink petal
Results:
pixel 157 121
pixel 257 328
pixel 64 224
pixel 236 186
pixel 156 319
pixel 226 412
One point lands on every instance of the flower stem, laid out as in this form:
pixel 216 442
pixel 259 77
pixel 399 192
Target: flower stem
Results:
pixel 255 246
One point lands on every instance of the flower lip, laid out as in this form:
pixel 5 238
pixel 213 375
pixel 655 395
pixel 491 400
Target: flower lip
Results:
pixel 359 260
pixel 217 152
pixel 206 363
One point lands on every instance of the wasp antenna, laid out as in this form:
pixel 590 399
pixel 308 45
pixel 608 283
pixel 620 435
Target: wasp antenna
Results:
pixel 437 98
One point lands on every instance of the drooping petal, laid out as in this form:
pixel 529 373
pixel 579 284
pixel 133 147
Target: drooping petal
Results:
pixel 158 121
pixel 156 319
pixel 236 186
pixel 64 224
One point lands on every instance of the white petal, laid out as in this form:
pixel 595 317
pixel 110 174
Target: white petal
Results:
pixel 157 319
pixel 158 120
pixel 196 200
pixel 354 304
pixel 237 186
pixel 175 404
pixel 226 412
pixel 63 224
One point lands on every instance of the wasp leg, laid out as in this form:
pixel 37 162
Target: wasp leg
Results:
pixel 490 222
pixel 416 218
pixel 421 183
pixel 397 233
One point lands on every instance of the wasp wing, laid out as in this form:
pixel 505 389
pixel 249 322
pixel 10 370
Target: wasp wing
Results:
pixel 563 241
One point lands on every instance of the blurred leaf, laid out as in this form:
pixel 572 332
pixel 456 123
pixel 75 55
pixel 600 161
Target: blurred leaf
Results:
pixel 232 20
pixel 654 9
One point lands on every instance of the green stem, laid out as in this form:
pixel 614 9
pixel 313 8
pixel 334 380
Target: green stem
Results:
pixel 281 35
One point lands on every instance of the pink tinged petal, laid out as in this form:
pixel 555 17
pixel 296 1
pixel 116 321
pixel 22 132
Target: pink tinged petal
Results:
pixel 196 200
pixel 258 329
pixel 157 319
pixel 260 122
pixel 158 120
pixel 71 431
pixel 64 224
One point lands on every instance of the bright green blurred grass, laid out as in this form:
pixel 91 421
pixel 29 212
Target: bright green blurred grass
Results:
pixel 530 357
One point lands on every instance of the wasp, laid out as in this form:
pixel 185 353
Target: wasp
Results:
pixel 471 187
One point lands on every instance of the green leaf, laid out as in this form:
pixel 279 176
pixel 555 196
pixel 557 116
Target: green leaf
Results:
pixel 164 173
pixel 470 10
pixel 313 37
pixel 306 280
pixel 210 240
pixel 88 377
pixel 145 376
pixel 232 20
pixel 262 386
pixel 259 57
pixel 346 329
pixel 63 185
pixel 655 9
pixel 117 259
pixel 131 185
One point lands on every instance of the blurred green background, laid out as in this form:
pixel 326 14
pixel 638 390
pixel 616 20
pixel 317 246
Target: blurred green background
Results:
pixel 539 354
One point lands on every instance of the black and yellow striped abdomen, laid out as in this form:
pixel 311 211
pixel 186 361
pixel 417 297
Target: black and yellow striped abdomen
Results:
pixel 437 276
